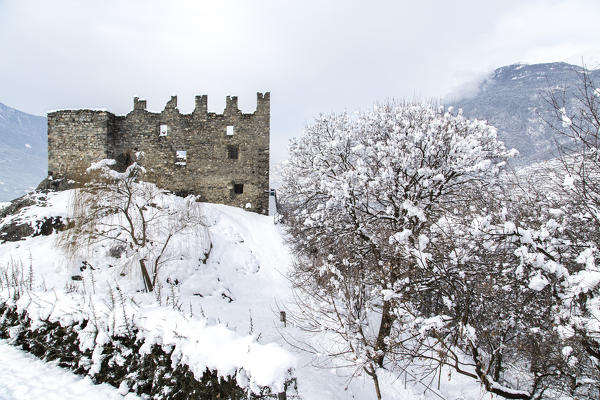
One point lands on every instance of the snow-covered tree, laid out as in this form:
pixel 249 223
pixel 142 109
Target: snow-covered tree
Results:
pixel 519 282
pixel 575 206
pixel 496 268
pixel 362 193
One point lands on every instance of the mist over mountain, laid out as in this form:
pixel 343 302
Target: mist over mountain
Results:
pixel 23 152
pixel 511 99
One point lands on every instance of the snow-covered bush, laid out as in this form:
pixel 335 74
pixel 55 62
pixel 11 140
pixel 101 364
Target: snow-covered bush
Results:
pixel 495 302
pixel 141 347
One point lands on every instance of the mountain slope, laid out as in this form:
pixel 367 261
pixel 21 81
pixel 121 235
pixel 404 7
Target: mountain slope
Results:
pixel 23 152
pixel 511 99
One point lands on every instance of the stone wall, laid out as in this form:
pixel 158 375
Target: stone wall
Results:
pixel 76 138
pixel 226 155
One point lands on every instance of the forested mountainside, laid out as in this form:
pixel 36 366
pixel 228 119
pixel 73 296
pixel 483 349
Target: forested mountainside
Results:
pixel 512 99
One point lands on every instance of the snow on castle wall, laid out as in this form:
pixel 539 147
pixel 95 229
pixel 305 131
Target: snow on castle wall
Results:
pixel 223 158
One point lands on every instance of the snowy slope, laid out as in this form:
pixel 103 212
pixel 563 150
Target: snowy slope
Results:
pixel 511 100
pixel 239 284
pixel 24 377
pixel 23 152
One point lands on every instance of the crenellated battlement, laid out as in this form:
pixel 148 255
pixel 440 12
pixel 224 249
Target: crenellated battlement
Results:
pixel 201 104
pixel 223 158
pixel 139 104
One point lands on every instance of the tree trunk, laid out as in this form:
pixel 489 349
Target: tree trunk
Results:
pixel 146 277
pixel 376 382
pixel 384 331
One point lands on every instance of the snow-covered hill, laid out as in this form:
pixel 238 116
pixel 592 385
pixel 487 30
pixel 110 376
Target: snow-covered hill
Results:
pixel 229 278
pixel 23 152
pixel 511 100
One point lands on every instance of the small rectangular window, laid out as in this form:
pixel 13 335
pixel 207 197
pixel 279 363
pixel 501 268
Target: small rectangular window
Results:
pixel 238 188
pixel 164 130
pixel 232 152
pixel 229 130
pixel 180 157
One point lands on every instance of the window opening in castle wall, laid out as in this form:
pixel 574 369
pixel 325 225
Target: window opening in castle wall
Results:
pixel 229 130
pixel 238 188
pixel 164 130
pixel 233 152
pixel 181 157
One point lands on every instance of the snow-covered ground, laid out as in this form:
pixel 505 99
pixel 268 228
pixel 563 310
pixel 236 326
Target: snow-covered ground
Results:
pixel 24 377
pixel 240 286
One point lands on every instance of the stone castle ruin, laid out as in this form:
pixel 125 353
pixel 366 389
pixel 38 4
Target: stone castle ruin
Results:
pixel 222 158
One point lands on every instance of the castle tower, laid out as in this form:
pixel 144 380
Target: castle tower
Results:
pixel 76 138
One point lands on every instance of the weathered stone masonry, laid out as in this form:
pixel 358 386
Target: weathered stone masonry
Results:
pixel 223 158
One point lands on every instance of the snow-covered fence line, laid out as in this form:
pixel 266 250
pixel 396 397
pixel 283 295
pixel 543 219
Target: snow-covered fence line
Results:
pixel 139 346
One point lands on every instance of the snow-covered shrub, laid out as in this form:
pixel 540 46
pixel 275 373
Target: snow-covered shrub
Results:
pixel 144 348
pixel 497 304
pixel 15 280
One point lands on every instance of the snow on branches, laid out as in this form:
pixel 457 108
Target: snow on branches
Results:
pixel 397 161
pixel 362 192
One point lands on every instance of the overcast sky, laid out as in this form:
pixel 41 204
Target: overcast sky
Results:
pixel 313 56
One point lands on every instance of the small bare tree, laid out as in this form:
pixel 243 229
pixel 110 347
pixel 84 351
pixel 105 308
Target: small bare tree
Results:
pixel 138 217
